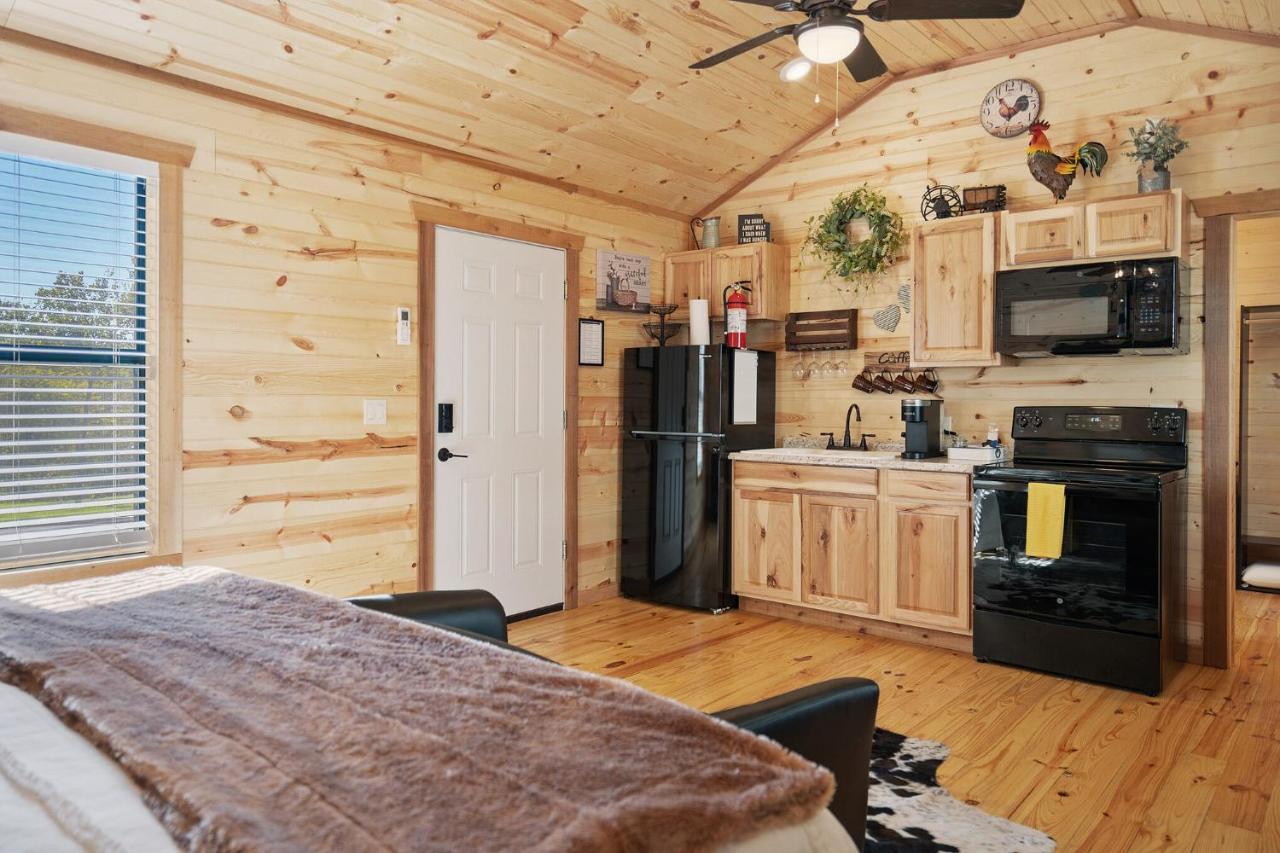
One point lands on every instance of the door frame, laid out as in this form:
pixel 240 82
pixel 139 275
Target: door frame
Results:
pixel 1221 464
pixel 429 217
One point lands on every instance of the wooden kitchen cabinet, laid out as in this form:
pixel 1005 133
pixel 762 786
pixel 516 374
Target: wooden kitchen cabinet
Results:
pixel 1147 224
pixel 766 544
pixel 1036 236
pixel 840 563
pixel 686 275
pixel 705 273
pixel 926 554
pixel 953 306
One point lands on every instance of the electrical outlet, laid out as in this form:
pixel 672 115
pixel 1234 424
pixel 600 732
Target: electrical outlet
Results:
pixel 375 412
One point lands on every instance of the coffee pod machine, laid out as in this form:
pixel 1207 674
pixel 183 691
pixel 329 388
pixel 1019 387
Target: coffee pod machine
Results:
pixel 923 422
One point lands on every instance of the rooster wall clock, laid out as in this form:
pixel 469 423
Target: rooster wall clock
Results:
pixel 1010 108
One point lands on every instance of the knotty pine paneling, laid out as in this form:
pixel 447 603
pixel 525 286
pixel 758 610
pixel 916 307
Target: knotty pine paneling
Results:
pixel 299 243
pixel 1225 95
pixel 1258 285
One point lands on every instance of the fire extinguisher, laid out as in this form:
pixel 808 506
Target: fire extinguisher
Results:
pixel 735 315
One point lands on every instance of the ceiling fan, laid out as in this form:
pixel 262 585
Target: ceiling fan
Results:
pixel 832 32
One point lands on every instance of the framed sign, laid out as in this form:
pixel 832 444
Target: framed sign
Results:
pixel 753 228
pixel 622 281
pixel 591 342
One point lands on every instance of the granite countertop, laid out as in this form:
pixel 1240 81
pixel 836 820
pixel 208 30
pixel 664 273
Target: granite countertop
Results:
pixel 854 459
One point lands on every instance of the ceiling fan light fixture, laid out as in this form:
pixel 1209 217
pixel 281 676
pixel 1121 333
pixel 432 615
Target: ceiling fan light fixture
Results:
pixel 828 41
pixel 796 69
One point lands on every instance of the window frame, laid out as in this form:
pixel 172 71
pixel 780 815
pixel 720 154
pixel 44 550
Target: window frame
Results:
pixel 161 305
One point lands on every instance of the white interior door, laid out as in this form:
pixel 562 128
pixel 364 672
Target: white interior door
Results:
pixel 499 353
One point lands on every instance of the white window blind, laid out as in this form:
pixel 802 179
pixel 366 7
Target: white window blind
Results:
pixel 75 369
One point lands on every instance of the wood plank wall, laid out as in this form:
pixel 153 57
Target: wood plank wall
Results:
pixel 1226 95
pixel 299 244
pixel 1258 285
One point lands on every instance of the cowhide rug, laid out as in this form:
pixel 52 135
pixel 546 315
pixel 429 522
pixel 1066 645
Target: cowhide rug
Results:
pixel 908 810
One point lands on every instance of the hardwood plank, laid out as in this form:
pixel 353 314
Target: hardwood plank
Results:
pixel 1095 767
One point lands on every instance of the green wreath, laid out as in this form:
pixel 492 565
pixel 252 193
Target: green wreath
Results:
pixel 828 235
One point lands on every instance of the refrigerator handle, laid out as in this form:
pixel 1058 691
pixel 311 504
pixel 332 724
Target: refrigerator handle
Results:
pixel 645 433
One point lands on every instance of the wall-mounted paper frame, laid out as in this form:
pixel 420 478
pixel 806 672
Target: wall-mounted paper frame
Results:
pixel 590 342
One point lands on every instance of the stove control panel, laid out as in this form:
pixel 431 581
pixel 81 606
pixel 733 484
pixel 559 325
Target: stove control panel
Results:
pixel 1101 423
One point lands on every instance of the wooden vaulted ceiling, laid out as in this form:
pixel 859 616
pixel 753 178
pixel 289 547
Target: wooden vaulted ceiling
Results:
pixel 592 93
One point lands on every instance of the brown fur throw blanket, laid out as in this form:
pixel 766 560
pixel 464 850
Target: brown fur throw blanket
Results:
pixel 255 716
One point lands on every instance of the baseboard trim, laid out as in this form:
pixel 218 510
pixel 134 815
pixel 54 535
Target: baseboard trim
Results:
pixel 859 624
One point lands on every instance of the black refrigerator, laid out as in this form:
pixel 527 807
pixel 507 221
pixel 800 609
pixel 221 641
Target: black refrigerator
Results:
pixel 685 409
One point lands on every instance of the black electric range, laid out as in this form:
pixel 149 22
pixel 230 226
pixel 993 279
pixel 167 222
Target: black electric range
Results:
pixel 1105 610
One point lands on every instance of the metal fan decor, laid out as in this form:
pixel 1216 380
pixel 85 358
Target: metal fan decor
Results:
pixel 940 202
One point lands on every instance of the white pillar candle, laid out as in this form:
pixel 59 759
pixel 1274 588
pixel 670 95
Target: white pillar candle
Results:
pixel 699 323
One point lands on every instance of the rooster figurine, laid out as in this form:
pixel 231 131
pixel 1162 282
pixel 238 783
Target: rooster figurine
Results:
pixel 1056 172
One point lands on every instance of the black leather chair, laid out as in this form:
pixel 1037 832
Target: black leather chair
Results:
pixel 831 723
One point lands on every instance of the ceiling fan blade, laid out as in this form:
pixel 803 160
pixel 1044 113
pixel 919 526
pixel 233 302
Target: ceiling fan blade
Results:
pixel 865 62
pixel 941 10
pixel 763 38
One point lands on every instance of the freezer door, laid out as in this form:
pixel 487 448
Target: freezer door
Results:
pixel 675 390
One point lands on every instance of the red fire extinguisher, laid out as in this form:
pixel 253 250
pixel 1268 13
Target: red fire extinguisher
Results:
pixel 735 315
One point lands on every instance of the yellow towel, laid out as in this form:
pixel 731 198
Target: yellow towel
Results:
pixel 1046 508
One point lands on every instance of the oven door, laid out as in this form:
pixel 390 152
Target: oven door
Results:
pixel 1108 575
pixel 1063 310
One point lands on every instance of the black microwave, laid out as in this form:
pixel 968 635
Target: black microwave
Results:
pixel 1097 308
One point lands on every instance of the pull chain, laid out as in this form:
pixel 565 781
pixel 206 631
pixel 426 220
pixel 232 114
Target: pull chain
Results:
pixel 837 70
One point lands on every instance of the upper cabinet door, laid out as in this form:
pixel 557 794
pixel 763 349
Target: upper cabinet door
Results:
pixel 730 264
pixel 1137 225
pixel 953 306
pixel 687 275
pixel 1039 236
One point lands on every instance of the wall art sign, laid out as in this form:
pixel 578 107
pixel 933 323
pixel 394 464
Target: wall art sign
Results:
pixel 622 281
pixel 753 228
pixel 590 342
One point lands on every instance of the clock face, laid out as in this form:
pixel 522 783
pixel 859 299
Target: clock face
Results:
pixel 1010 108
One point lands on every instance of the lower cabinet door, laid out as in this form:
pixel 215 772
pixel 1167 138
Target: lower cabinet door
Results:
pixel 840 566
pixel 926 550
pixel 766 544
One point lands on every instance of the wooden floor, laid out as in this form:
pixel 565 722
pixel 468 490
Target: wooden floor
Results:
pixel 1098 769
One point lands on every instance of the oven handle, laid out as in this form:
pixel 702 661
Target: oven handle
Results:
pixel 1126 492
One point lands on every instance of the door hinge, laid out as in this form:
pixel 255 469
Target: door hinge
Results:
pixel 564 550
pixel 566 290
pixel 564 419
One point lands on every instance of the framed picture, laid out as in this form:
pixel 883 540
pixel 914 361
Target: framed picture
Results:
pixel 622 282
pixel 591 342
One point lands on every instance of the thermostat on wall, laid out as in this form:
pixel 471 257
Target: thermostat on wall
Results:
pixel 402 327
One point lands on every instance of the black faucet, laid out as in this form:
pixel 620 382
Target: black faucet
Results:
pixel 848 435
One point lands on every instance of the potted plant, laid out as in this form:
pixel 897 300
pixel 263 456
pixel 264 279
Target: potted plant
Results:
pixel 1154 145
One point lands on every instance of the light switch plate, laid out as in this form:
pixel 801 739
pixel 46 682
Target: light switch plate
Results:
pixel 403 334
pixel 375 412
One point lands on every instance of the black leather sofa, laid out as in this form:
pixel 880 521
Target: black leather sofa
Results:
pixel 830 723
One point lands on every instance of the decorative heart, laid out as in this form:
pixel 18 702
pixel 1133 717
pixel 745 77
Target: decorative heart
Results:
pixel 904 296
pixel 887 318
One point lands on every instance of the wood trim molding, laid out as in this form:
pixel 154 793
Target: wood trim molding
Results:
pixel 15 119
pixel 885 82
pixel 1220 464
pixel 451 217
pixel 1238 204
pixel 156 75
pixel 429 218
pixel 80 571
pixel 168 381
pixel 1223 33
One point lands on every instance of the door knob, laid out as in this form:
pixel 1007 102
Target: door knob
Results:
pixel 445 455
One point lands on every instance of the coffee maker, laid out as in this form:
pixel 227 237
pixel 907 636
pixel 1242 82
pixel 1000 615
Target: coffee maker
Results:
pixel 923 422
